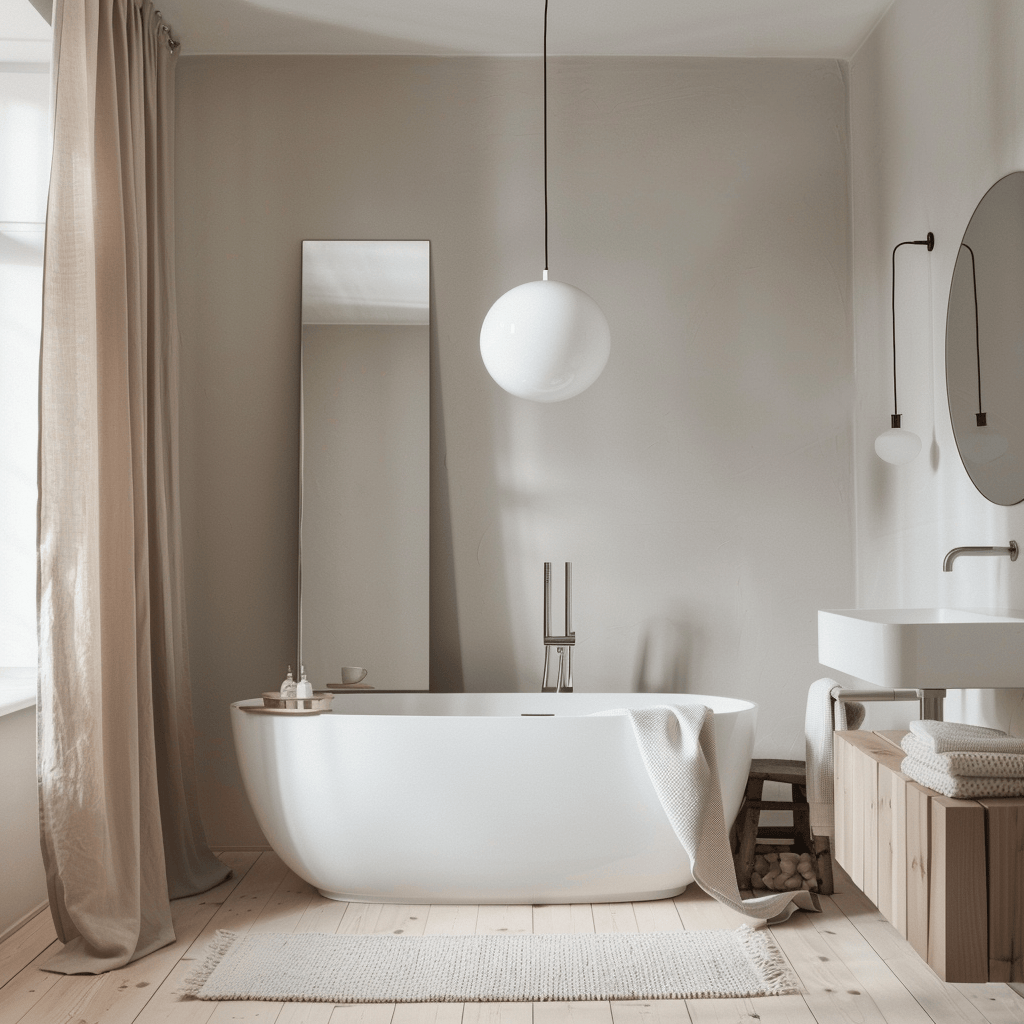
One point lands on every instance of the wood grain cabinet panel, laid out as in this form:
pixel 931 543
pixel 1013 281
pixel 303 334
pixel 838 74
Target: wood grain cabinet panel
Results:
pixel 918 866
pixel 1004 842
pixel 958 894
pixel 947 874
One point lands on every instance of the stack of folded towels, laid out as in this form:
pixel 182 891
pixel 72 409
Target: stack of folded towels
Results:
pixel 966 762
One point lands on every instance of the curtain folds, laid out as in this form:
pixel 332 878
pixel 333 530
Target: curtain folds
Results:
pixel 120 827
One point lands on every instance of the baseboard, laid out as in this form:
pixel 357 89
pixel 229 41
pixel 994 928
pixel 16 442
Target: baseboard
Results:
pixel 242 849
pixel 23 920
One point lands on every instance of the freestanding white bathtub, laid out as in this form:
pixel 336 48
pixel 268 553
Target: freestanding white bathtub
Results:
pixel 472 798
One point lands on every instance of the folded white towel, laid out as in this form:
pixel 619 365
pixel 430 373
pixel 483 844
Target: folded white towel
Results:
pixel 944 737
pixel 677 744
pixel 973 763
pixel 822 717
pixel 960 787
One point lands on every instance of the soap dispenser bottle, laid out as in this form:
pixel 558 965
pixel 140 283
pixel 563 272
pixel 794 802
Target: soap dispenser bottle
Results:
pixel 303 688
pixel 288 686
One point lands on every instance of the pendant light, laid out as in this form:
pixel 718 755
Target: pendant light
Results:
pixel 897 445
pixel 545 340
pixel 986 445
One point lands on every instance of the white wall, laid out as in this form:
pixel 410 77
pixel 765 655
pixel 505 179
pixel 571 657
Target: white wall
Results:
pixel 937 115
pixel 24 172
pixel 702 487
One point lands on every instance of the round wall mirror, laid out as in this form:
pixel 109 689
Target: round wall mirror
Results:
pixel 985 344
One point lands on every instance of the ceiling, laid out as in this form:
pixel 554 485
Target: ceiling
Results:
pixel 713 28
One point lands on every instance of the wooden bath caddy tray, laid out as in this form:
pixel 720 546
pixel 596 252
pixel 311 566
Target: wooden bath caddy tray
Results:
pixel 947 874
pixel 275 704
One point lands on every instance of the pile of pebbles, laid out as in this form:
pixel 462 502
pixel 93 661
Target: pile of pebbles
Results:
pixel 783 870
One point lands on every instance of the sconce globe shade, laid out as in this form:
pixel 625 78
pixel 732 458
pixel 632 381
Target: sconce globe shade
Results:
pixel 545 340
pixel 897 446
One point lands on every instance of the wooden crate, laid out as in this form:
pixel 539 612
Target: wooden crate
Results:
pixel 947 874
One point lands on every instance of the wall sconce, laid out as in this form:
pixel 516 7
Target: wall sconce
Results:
pixel 897 445
pixel 988 445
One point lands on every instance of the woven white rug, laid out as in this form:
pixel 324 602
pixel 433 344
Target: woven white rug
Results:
pixel 490 968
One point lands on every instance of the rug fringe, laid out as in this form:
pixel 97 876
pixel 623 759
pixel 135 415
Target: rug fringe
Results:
pixel 766 956
pixel 215 952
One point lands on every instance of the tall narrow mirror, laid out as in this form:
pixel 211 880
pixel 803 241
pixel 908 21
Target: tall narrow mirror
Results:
pixel 365 474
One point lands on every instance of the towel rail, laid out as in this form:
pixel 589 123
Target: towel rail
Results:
pixel 930 700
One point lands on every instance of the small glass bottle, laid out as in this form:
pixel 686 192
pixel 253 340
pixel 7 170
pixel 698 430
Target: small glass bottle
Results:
pixel 289 685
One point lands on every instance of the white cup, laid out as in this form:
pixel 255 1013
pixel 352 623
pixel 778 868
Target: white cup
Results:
pixel 352 674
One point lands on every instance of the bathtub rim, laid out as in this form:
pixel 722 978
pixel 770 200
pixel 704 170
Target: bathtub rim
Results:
pixel 738 705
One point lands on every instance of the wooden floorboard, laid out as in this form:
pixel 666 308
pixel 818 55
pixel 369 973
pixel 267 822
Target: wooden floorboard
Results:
pixel 27 987
pixel 853 966
pixel 943 1003
pixel 243 905
pixel 17 951
pixel 610 918
pixel 498 1013
pixel 998 1004
pixel 120 996
pixel 873 976
pixel 832 991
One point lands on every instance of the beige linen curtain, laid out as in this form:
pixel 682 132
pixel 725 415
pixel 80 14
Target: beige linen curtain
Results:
pixel 120 829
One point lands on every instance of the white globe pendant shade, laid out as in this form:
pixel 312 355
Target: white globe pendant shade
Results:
pixel 982 446
pixel 545 340
pixel 897 446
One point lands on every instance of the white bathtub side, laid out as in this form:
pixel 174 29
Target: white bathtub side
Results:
pixel 472 809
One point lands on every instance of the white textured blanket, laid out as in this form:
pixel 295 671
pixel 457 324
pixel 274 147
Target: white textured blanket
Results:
pixel 945 737
pixel 677 743
pixel 823 716
pixel 960 787
pixel 976 763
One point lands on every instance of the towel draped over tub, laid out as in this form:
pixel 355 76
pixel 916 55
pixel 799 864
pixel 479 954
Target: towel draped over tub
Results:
pixel 677 744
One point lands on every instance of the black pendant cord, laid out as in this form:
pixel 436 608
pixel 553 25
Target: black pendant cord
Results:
pixel 545 140
pixel 980 416
pixel 930 242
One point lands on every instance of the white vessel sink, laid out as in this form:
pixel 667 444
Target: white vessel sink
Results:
pixel 926 648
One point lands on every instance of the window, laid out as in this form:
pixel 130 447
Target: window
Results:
pixel 24 173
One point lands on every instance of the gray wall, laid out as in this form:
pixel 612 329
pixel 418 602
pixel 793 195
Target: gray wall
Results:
pixel 936 118
pixel 702 487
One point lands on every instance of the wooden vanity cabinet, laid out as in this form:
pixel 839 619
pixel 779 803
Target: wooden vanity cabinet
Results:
pixel 947 874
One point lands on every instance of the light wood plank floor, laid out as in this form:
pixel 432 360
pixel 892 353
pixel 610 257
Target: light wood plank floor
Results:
pixel 854 967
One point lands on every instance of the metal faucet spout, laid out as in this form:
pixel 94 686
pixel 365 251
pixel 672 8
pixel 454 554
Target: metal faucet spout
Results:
pixel 947 562
pixel 562 645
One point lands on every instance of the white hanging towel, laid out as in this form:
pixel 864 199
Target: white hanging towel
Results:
pixel 677 743
pixel 822 717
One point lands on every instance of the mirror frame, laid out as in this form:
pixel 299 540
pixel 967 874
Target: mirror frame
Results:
pixel 402 321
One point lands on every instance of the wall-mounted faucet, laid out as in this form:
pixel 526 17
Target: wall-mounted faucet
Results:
pixel 947 562
pixel 563 645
